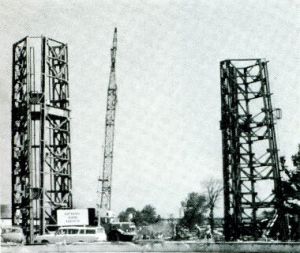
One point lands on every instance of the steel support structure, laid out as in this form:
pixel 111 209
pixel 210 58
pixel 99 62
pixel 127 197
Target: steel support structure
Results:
pixel 251 169
pixel 106 180
pixel 40 125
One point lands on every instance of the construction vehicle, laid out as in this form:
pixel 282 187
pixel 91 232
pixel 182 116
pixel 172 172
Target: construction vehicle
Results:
pixel 123 231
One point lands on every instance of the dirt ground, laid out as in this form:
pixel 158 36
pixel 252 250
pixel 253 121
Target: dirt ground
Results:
pixel 157 246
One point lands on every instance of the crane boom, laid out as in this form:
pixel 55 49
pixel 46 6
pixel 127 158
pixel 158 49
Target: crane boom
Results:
pixel 106 180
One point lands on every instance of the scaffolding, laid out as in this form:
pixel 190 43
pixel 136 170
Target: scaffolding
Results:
pixel 251 169
pixel 40 125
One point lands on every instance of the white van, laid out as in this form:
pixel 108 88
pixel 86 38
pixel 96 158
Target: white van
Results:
pixel 73 234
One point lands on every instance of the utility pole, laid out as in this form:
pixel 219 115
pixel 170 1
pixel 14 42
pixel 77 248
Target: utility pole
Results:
pixel 106 180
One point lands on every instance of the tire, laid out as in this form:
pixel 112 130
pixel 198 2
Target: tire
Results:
pixel 117 237
pixel 114 236
pixel 45 242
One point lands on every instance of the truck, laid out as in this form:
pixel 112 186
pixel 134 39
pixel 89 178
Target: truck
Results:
pixel 120 231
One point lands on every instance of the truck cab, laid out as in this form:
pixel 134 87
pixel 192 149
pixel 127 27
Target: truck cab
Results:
pixel 121 231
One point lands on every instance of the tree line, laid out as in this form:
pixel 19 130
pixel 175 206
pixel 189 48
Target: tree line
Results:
pixel 144 217
pixel 195 207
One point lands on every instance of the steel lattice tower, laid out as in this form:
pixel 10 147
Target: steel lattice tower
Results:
pixel 41 154
pixel 251 170
pixel 106 180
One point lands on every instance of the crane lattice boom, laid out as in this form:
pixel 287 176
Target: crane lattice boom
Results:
pixel 106 180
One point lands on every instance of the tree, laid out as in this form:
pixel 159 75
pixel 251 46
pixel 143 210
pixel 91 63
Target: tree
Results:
pixel 128 214
pixel 122 216
pixel 213 190
pixel 138 219
pixel 149 214
pixel 194 210
pixel 141 218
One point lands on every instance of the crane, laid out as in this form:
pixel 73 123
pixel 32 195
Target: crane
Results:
pixel 106 181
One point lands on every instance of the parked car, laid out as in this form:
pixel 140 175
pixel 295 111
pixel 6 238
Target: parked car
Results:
pixel 12 234
pixel 73 234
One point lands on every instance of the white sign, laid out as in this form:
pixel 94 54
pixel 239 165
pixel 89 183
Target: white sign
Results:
pixel 72 217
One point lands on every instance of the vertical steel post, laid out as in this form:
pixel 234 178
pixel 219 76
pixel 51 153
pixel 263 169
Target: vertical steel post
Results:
pixel 42 136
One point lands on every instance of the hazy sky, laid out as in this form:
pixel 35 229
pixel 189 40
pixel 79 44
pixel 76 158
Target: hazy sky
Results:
pixel 167 137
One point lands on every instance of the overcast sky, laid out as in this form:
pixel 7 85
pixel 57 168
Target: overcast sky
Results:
pixel 167 137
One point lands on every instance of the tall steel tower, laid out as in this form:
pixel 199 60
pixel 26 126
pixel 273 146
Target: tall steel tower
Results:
pixel 40 125
pixel 251 170
pixel 106 180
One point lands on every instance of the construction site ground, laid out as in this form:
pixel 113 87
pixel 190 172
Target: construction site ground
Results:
pixel 158 246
